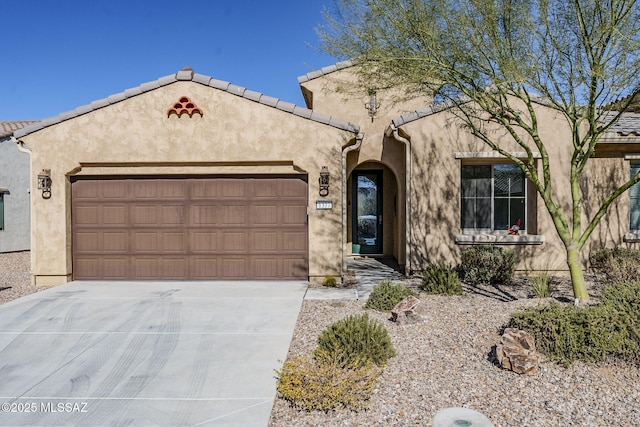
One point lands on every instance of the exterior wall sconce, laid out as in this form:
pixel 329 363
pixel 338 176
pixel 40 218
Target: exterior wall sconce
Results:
pixel 44 183
pixel 372 105
pixel 324 182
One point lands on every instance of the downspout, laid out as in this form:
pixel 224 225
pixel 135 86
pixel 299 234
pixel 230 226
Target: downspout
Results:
pixel 393 131
pixel 23 148
pixel 346 151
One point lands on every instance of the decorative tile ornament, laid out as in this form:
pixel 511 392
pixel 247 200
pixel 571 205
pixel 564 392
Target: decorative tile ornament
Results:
pixel 184 106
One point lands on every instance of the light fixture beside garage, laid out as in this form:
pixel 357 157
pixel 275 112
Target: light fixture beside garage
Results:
pixel 324 181
pixel 44 183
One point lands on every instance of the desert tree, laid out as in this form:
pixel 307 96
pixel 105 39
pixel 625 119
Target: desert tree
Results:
pixel 497 60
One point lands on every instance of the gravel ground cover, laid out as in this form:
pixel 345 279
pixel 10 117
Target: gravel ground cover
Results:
pixel 444 362
pixel 15 281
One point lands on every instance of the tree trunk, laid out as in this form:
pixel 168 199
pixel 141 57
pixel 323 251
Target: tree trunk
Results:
pixel 577 275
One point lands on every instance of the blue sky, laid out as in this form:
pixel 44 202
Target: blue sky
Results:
pixel 61 54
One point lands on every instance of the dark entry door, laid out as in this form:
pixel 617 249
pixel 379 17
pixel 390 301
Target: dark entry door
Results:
pixel 367 212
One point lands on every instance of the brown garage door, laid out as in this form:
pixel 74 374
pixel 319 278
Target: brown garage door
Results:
pixel 190 228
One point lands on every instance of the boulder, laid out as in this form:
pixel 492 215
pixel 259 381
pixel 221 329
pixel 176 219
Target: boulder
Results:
pixel 517 352
pixel 403 312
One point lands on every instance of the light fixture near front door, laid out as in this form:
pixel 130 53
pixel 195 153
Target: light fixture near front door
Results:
pixel 44 183
pixel 372 105
pixel 324 182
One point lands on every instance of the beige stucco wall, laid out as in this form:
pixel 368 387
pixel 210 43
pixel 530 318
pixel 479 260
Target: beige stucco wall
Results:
pixel 135 136
pixel 339 95
pixel 435 191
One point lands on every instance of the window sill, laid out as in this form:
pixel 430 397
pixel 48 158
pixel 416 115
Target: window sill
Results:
pixel 498 239
pixel 632 236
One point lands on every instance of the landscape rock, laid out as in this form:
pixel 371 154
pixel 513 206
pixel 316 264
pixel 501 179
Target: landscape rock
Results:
pixel 517 352
pixel 404 312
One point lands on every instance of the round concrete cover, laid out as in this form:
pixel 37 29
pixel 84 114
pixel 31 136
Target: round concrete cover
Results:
pixel 460 417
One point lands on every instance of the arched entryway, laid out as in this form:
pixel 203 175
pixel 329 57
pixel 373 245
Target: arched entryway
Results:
pixel 372 211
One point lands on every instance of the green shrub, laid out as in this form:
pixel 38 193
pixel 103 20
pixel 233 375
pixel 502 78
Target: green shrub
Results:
pixel 487 264
pixel 329 281
pixel 618 264
pixel 325 383
pixel 441 279
pixel 386 294
pixel 357 338
pixel 624 297
pixel 566 333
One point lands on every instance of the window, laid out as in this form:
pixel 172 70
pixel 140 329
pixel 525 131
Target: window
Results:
pixel 493 197
pixel 1 211
pixel 634 200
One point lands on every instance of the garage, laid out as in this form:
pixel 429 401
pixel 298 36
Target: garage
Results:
pixel 229 227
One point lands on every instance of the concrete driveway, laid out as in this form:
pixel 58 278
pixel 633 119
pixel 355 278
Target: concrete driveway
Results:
pixel 145 353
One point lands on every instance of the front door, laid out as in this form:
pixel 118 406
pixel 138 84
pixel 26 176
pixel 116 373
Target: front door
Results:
pixel 367 212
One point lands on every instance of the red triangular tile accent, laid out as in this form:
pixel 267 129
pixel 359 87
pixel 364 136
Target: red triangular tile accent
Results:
pixel 184 105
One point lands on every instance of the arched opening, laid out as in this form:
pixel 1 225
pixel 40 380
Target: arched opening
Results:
pixel 373 216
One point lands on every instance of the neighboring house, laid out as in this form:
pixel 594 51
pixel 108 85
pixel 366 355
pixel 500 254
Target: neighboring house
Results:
pixel 188 177
pixel 14 190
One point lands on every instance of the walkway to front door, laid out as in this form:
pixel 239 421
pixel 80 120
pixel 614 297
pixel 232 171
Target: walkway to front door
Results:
pixel 368 271
pixel 371 271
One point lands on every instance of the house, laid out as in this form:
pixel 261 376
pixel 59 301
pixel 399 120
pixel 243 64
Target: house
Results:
pixel 192 178
pixel 14 190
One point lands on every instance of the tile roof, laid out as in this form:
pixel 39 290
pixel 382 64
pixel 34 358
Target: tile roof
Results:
pixel 187 74
pixel 628 125
pixel 8 127
pixel 324 71
pixel 427 111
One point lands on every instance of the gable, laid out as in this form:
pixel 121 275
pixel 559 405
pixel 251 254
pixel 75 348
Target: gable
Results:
pixel 188 75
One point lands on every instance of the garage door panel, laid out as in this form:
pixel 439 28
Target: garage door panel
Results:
pixel 265 241
pixel 87 215
pixel 204 268
pixel 264 215
pixel 234 188
pixel 190 228
pixel 266 189
pixel 102 268
pixel 146 268
pixel 114 215
pixel 158 242
pixel 235 268
pixel 203 241
pixel 173 189
pixel 234 215
pixel 87 241
pixel 86 190
pixel 173 215
pixel 267 268
pixel 294 241
pixel 294 267
pixel 174 268
pixel 145 215
pixel 145 241
pixel 205 215
pixel 234 241
pixel 115 241
pixel 207 189
pixel 294 188
pixel 294 214
pixel 115 267
pixel 115 190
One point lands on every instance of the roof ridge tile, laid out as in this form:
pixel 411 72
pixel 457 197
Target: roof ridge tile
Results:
pixel 187 74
